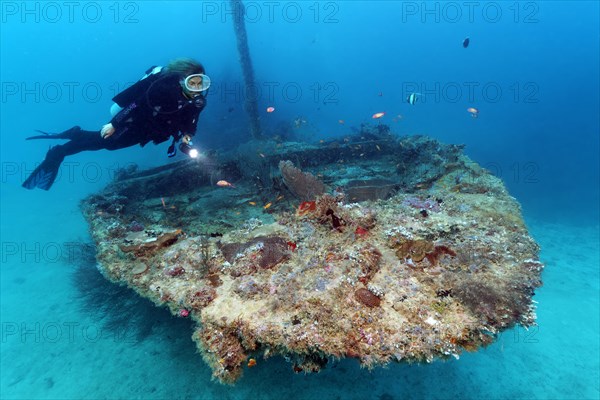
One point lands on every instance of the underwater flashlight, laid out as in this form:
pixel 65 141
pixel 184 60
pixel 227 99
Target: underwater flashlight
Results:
pixel 186 148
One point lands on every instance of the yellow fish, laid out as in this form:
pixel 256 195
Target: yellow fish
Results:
pixel 267 205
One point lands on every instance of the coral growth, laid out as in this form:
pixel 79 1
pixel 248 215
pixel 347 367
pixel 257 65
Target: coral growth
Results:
pixel 379 270
pixel 367 298
pixel 423 204
pixel 263 252
pixel 369 258
pixel 416 250
pixel 147 249
pixel 303 185
pixel 438 251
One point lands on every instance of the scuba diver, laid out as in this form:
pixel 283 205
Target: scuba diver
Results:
pixel 164 103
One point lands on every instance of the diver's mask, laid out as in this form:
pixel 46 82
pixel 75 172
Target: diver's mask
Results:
pixel 196 83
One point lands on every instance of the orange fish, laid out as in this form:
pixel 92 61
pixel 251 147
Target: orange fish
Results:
pixel 225 184
pixel 378 115
pixel 251 362
pixel 252 203
pixel 306 206
pixel 267 206
pixel 474 112
pixel 270 109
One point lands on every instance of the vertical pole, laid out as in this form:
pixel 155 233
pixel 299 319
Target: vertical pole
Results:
pixel 251 105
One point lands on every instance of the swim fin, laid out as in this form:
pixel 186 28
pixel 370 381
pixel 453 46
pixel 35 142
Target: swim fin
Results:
pixel 68 134
pixel 45 174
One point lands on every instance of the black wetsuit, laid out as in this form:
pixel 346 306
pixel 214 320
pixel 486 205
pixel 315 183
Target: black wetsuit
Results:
pixel 154 109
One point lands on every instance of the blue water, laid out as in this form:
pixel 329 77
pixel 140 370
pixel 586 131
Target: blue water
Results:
pixel 532 69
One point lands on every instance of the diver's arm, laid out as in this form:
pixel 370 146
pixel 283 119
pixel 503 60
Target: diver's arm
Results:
pixel 190 124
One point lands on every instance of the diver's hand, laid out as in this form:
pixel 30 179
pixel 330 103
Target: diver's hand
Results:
pixel 107 131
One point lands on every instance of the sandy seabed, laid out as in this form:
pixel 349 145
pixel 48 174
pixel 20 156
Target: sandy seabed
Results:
pixel 51 348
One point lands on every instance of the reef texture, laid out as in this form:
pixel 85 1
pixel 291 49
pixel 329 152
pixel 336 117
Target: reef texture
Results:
pixel 413 252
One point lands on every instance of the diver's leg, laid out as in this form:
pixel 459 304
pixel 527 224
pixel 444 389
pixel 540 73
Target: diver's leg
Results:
pixel 45 174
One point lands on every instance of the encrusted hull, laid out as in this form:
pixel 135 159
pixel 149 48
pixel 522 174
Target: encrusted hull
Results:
pixel 412 253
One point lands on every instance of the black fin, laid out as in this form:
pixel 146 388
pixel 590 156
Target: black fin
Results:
pixel 68 134
pixel 43 176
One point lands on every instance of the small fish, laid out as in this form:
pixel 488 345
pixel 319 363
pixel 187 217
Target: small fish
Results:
pixel 252 203
pixel 378 115
pixel 473 111
pixel 270 109
pixel 251 362
pixel 162 200
pixel 225 184
pixel 341 121
pixel 279 197
pixel 380 94
pixel 299 122
pixel 466 42
pixel 266 206
pixel 412 98
pixel 262 155
pixel 378 148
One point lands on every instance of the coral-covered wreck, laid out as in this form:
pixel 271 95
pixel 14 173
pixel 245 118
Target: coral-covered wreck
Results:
pixel 373 247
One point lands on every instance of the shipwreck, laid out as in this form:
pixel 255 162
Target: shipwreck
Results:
pixel 373 246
